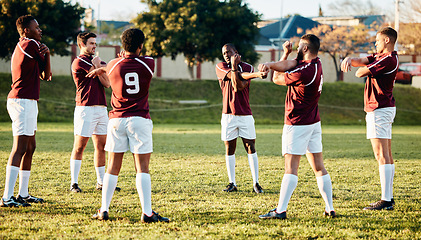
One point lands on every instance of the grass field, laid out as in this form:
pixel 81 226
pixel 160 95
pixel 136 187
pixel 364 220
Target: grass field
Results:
pixel 188 174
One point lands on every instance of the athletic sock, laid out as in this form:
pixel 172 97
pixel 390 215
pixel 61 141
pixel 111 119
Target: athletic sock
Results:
pixel 289 183
pixel 24 182
pixel 74 170
pixel 110 182
pixel 385 181
pixel 230 161
pixel 325 187
pixel 391 182
pixel 143 185
pixel 100 171
pixel 254 166
pixel 11 177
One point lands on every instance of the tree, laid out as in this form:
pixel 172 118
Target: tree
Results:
pixel 339 42
pixel 410 31
pixel 113 33
pixel 198 29
pixel 59 21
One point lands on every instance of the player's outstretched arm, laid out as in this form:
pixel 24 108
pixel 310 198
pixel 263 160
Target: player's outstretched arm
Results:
pixel 348 62
pixel 279 78
pixel 362 72
pixel 248 76
pixel 102 75
pixel 281 66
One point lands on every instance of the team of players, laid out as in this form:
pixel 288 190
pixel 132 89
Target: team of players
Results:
pixel 129 126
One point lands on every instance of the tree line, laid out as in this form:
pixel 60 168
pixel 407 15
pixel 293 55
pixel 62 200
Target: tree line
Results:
pixel 197 29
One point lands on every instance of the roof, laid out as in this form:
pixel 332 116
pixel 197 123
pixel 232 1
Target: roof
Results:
pixel 294 26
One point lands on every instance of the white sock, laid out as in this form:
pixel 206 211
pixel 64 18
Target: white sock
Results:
pixel 289 183
pixel 143 185
pixel 385 181
pixel 24 182
pixel 391 182
pixel 325 188
pixel 11 177
pixel 254 167
pixel 75 169
pixel 100 171
pixel 230 161
pixel 110 182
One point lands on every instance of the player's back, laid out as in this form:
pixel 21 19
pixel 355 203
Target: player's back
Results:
pixel 130 78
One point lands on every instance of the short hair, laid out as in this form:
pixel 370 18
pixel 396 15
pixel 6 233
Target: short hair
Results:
pixel 313 42
pixel 231 45
pixel 23 22
pixel 84 36
pixel 389 32
pixel 132 39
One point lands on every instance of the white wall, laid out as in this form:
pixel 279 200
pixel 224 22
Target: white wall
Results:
pixel 177 69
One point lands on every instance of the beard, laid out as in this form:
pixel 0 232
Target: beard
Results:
pixel 300 55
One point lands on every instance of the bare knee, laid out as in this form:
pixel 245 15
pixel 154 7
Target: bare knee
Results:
pixel 249 146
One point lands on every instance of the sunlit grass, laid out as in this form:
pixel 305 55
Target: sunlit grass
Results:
pixel 188 174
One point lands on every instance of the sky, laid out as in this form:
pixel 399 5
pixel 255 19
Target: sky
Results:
pixel 125 10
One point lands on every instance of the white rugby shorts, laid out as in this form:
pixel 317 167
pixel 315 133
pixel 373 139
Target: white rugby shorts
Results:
pixel 134 133
pixel 90 120
pixel 379 122
pixel 23 113
pixel 299 139
pixel 233 126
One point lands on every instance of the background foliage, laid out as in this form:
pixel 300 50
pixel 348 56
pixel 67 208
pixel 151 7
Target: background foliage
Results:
pixel 198 29
pixel 59 21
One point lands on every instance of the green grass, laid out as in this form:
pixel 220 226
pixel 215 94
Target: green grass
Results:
pixel 340 103
pixel 188 174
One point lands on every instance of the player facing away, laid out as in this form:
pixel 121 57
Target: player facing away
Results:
pixel 130 125
pixel 302 133
pixel 90 116
pixel 237 120
pixel 379 104
pixel 30 63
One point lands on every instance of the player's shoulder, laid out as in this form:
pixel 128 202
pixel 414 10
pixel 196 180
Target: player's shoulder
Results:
pixel 82 60
pixel 147 59
pixel 246 66
pixel 114 62
pixel 29 43
pixel 222 66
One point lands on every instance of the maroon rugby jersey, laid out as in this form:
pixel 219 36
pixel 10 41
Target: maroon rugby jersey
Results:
pixel 235 103
pixel 130 78
pixel 89 91
pixel 304 88
pixel 379 84
pixel 27 64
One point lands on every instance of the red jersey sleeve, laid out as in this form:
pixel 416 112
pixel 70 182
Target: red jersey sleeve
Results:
pixel 383 65
pixel 81 65
pixel 32 48
pixel 293 78
pixel 222 70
